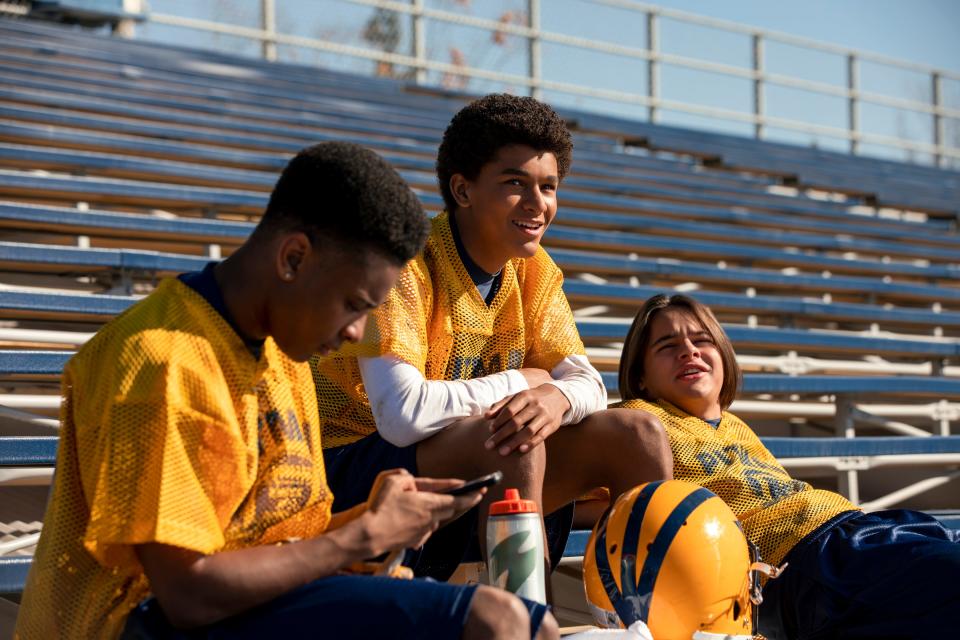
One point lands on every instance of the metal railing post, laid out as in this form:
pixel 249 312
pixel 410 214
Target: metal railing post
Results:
pixel 848 480
pixel 533 11
pixel 942 415
pixel 853 119
pixel 936 98
pixel 758 107
pixel 268 18
pixel 653 68
pixel 419 41
pixel 127 28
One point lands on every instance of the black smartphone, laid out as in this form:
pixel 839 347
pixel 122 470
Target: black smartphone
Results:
pixel 476 484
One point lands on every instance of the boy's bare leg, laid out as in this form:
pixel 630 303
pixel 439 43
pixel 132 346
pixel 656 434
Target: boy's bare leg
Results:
pixel 616 448
pixel 498 614
pixel 458 452
pixel 588 512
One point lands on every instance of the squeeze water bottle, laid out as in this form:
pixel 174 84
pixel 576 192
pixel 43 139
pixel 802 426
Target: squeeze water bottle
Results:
pixel 515 547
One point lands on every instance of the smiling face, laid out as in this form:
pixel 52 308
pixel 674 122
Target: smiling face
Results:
pixel 682 365
pixel 503 213
pixel 323 299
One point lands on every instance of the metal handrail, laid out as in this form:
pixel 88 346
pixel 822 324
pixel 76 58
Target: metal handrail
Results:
pixel 653 101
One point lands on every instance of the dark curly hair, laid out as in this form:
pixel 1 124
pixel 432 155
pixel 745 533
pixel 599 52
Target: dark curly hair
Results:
pixel 347 194
pixel 484 126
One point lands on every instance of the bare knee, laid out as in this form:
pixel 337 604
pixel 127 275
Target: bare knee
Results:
pixel 642 451
pixel 533 462
pixel 549 629
pixel 459 451
pixel 646 437
pixel 495 613
pixel 525 469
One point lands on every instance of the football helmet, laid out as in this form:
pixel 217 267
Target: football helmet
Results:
pixel 672 555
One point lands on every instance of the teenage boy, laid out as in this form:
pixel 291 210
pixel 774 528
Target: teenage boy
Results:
pixel 190 490
pixel 474 362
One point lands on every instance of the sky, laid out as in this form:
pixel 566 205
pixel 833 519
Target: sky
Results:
pixel 920 31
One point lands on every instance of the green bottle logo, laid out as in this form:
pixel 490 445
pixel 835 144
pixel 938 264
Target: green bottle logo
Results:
pixel 507 558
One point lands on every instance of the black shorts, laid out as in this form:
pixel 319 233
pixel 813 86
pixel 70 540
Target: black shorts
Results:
pixel 887 574
pixel 342 607
pixel 351 470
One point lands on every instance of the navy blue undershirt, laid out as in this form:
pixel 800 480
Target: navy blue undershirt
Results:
pixel 713 423
pixel 204 283
pixel 487 284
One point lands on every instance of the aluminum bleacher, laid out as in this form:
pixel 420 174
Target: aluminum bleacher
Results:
pixel 837 277
pixel 194 232
pixel 28 455
pixel 890 183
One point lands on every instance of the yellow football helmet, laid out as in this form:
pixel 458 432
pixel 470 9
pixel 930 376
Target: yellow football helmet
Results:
pixel 672 554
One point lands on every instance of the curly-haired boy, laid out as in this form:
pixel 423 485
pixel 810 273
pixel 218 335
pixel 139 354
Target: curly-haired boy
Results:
pixel 474 362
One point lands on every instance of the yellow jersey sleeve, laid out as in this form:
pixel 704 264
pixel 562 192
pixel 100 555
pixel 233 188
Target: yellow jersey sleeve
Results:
pixel 169 465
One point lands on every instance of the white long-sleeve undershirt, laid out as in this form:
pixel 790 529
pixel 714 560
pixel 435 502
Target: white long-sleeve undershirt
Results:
pixel 409 408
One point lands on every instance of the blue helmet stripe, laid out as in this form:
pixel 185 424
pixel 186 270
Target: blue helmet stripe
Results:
pixel 626 603
pixel 661 544
pixel 603 564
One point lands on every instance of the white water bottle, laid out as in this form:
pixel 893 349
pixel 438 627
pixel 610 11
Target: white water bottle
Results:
pixel 515 554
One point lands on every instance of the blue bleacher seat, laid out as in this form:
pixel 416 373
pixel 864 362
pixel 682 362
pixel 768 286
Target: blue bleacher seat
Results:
pixel 795 447
pixel 28 451
pixel 779 338
pixel 779 306
pixel 50 363
pixel 13 573
pixel 70 220
pixel 52 258
pixel 871 386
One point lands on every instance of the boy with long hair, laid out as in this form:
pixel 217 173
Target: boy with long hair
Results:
pixel 849 574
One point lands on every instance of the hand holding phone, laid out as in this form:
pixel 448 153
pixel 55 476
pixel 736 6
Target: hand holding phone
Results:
pixel 476 484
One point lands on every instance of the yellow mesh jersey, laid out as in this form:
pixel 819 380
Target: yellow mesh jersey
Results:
pixel 775 510
pixel 435 320
pixel 171 433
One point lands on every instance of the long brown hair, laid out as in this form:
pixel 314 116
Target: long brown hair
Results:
pixel 638 339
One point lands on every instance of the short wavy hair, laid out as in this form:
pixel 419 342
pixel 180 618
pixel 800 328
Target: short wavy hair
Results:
pixel 638 341
pixel 343 193
pixel 478 132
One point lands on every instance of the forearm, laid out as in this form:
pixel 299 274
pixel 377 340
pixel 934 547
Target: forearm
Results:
pixel 196 590
pixel 408 408
pixel 582 385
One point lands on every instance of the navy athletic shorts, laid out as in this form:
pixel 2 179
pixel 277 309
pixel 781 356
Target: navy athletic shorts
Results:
pixel 342 607
pixel 887 574
pixel 351 470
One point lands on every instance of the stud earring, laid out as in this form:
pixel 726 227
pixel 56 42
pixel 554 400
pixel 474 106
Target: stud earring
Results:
pixel 288 276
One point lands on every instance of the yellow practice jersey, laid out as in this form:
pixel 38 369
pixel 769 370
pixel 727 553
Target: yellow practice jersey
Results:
pixel 775 510
pixel 173 433
pixel 435 320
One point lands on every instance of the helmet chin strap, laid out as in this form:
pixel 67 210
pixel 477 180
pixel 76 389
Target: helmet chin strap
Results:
pixel 756 596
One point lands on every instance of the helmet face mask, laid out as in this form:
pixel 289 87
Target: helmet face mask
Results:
pixel 672 555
